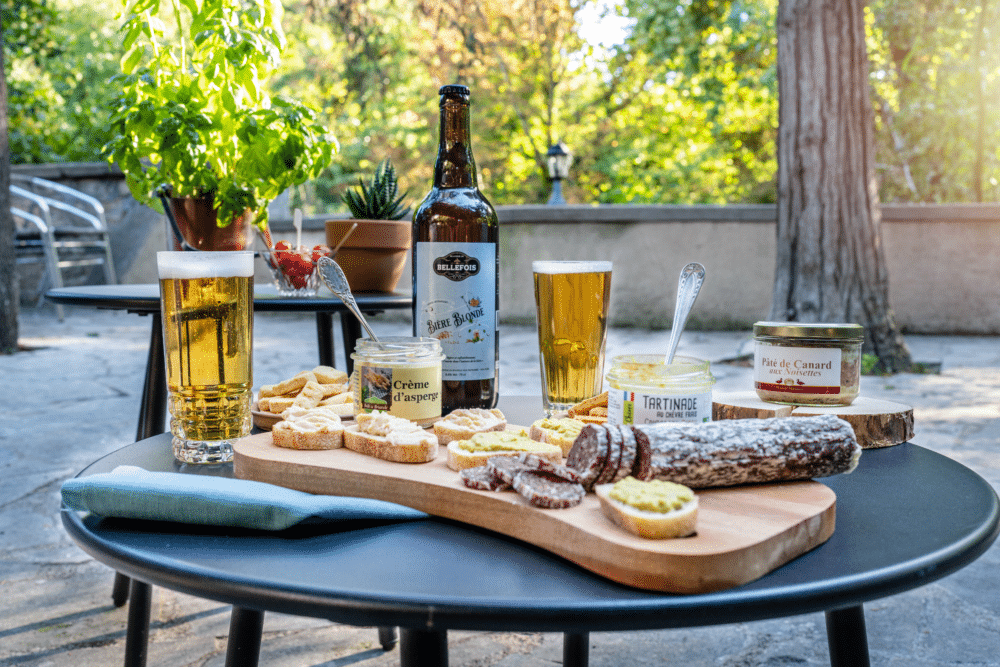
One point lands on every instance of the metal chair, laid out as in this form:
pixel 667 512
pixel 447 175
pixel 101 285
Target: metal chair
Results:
pixel 59 227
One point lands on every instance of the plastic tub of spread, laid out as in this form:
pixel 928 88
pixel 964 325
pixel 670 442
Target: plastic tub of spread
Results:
pixel 644 390
pixel 807 364
pixel 398 375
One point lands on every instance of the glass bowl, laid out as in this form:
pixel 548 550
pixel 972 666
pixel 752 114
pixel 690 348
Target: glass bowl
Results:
pixel 294 272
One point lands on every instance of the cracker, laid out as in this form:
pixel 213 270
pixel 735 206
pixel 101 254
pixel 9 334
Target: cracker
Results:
pixel 335 389
pixel 338 399
pixel 310 395
pixel 590 419
pixel 599 412
pixel 584 407
pixel 278 404
pixel 290 386
pixel 329 375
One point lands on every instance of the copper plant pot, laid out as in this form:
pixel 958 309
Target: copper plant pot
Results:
pixel 374 255
pixel 197 220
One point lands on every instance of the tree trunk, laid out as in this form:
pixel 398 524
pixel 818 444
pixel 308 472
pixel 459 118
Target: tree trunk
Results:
pixel 9 297
pixel 830 263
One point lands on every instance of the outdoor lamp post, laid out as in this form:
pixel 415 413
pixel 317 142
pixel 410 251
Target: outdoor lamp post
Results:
pixel 560 160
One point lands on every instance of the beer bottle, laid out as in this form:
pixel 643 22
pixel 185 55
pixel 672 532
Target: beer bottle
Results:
pixel 456 265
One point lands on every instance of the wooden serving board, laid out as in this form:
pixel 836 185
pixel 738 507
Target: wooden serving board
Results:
pixel 743 532
pixel 876 423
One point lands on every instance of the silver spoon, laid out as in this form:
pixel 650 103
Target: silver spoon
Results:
pixel 688 286
pixel 334 278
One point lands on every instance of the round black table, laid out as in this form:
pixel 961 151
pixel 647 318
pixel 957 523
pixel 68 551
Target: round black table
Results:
pixel 144 299
pixel 906 517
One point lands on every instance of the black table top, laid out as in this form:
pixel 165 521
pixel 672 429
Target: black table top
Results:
pixel 145 298
pixel 906 517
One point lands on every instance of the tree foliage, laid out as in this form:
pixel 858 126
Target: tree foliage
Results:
pixel 682 110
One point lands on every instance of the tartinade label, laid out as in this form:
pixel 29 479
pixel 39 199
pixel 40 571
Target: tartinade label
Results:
pixel 456 266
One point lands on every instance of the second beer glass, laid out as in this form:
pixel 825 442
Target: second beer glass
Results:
pixel 207 307
pixel 571 300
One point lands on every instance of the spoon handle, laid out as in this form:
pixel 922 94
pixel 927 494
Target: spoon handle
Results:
pixel 334 278
pixel 688 286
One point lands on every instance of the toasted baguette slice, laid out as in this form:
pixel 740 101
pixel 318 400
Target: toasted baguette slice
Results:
pixel 481 446
pixel 678 521
pixel 383 436
pixel 561 432
pixel 464 423
pixel 315 428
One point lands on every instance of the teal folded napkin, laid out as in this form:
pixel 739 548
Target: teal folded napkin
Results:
pixel 133 493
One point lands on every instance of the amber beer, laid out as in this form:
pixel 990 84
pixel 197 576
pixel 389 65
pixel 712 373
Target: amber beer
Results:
pixel 572 313
pixel 456 265
pixel 207 307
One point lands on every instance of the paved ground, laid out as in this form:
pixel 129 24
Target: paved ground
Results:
pixel 75 397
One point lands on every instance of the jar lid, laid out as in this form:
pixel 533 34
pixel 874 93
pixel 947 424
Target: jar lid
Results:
pixel 810 330
pixel 400 348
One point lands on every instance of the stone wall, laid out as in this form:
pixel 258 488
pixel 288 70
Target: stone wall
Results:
pixel 943 260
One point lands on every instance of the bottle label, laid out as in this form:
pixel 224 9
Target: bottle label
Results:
pixel 456 304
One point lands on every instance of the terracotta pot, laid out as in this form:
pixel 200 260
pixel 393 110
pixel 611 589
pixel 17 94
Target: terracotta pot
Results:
pixel 374 254
pixel 197 221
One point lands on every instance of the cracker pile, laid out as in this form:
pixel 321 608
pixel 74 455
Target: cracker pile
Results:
pixel 322 386
pixel 591 411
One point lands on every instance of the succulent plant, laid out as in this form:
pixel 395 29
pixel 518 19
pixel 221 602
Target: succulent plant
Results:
pixel 377 199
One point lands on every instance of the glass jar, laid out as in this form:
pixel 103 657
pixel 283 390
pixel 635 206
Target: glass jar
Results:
pixel 398 375
pixel 644 390
pixel 807 364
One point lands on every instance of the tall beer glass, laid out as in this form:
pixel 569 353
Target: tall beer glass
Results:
pixel 207 306
pixel 571 300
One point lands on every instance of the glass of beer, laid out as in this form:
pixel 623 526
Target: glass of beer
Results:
pixel 571 300
pixel 207 306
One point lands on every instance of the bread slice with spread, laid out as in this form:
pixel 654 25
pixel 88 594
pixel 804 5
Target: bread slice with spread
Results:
pixel 390 438
pixel 481 446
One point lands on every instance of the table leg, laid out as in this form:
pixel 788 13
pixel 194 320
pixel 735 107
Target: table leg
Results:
pixel 153 406
pixel 351 329
pixel 119 591
pixel 137 631
pixel 324 339
pixel 576 649
pixel 388 637
pixel 245 629
pixel 845 633
pixel 423 648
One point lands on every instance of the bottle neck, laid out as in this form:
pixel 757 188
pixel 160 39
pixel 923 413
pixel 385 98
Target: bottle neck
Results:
pixel 455 166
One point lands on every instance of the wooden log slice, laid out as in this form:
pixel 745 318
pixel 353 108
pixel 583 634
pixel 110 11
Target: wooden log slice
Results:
pixel 876 423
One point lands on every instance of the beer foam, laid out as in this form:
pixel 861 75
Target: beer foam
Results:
pixel 570 267
pixel 204 264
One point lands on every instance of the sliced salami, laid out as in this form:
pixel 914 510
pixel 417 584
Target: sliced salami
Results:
pixel 589 453
pixel 750 451
pixel 505 467
pixel 547 491
pixel 629 453
pixel 643 455
pixel 614 456
pixel 482 478
pixel 538 463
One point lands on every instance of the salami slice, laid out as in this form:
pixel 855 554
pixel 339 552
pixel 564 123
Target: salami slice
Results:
pixel 505 467
pixel 482 478
pixel 629 453
pixel 643 455
pixel 589 453
pixel 547 491
pixel 536 462
pixel 750 451
pixel 614 456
